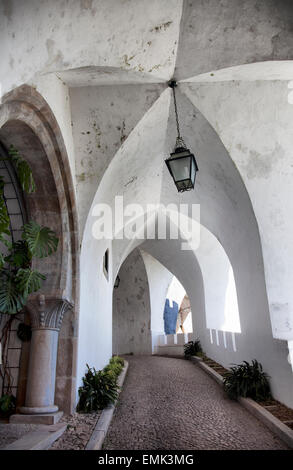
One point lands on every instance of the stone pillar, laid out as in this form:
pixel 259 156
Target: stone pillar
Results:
pixel 46 319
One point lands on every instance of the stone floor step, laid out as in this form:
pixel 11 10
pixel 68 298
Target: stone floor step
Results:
pixel 41 439
pixel 171 350
pixel 48 419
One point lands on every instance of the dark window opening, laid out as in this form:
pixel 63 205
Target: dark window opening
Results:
pixel 106 264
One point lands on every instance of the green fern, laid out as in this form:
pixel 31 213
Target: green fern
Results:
pixel 99 389
pixel 192 348
pixel 247 380
pixel 23 170
pixel 28 281
pixel 41 241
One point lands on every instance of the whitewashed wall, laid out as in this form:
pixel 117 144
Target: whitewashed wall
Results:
pixel 254 342
pixel 253 119
pixel 159 279
pixel 132 308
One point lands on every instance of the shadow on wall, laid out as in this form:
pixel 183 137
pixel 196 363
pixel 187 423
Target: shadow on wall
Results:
pixel 131 308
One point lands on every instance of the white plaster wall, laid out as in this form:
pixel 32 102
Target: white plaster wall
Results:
pixel 83 37
pixel 56 93
pixel 96 138
pixel 253 119
pixel 132 308
pixel 159 279
pixel 95 321
pixel 217 34
pixel 136 181
pixel 221 303
pixel 225 210
pixel 41 36
pixel 221 306
pixel 147 141
pixel 253 342
pixel 176 292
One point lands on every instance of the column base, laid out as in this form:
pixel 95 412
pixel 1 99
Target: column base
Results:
pixel 51 418
pixel 36 410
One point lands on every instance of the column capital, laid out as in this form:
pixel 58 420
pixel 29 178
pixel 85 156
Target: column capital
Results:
pixel 47 313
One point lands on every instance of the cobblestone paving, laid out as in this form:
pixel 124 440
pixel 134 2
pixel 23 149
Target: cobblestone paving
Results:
pixel 169 403
pixel 80 427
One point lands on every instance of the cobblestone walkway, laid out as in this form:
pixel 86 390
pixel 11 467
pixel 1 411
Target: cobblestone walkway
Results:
pixel 169 403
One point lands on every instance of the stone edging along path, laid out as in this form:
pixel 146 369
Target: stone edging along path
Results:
pixel 41 439
pixel 269 420
pixel 98 436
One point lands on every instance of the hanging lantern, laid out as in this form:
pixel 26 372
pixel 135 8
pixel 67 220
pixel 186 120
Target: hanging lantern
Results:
pixel 181 163
pixel 183 167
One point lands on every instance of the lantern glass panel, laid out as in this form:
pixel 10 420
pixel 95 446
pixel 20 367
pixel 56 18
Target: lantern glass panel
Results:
pixel 193 170
pixel 180 168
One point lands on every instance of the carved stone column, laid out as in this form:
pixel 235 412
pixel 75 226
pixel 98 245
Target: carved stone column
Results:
pixel 46 319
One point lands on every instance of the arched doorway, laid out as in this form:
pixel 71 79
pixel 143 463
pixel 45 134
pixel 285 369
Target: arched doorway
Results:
pixel 27 122
pixel 11 345
pixel 226 213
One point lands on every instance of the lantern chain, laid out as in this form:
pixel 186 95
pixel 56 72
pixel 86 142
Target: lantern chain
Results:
pixel 179 140
pixel 176 113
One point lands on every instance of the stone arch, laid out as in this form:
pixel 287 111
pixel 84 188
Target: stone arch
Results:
pixel 221 302
pixel 226 211
pixel 27 122
pixel 226 347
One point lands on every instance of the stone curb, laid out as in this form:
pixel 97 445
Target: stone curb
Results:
pixel 98 436
pixel 269 420
pixel 217 377
pixel 41 439
pixel 273 423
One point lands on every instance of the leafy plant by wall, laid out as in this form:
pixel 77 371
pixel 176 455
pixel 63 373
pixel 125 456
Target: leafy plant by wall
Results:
pixel 247 380
pixel 192 348
pixel 7 405
pixel 17 278
pixel 115 366
pixel 99 389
